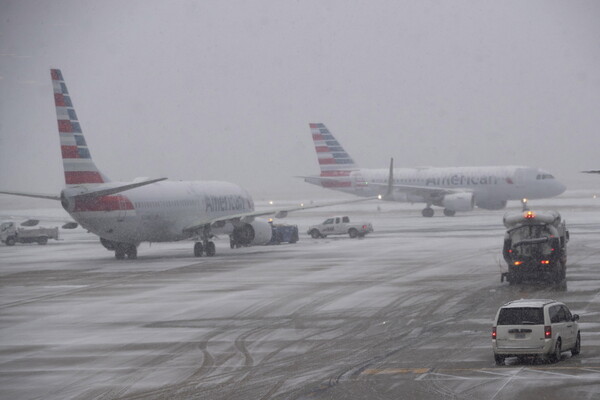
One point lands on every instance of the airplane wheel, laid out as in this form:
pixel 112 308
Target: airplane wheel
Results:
pixel 210 249
pixel 449 213
pixel 131 252
pixel 119 253
pixel 427 212
pixel 198 248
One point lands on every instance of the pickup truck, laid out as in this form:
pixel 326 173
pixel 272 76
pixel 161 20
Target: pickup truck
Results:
pixel 340 225
pixel 10 234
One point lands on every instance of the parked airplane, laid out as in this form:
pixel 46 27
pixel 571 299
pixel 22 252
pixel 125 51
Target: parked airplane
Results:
pixel 126 214
pixel 454 188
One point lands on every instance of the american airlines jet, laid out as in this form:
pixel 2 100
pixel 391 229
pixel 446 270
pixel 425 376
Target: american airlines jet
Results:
pixel 454 188
pixel 126 214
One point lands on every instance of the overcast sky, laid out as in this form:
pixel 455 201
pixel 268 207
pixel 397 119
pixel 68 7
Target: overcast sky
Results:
pixel 224 90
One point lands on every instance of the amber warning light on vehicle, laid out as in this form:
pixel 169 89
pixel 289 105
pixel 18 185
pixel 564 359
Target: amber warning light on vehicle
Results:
pixel 530 215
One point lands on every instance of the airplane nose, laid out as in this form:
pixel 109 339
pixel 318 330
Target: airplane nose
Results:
pixel 560 188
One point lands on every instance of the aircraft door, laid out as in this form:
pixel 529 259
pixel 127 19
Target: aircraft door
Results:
pixel 524 176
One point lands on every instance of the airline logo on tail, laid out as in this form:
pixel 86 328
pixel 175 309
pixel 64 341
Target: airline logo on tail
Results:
pixel 78 165
pixel 333 159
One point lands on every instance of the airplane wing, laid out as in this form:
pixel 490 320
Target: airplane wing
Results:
pixel 424 191
pixel 250 216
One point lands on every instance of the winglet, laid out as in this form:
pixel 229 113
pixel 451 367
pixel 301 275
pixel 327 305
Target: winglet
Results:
pixel 390 187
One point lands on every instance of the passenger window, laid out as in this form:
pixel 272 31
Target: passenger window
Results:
pixel 345 219
pixel 328 221
pixel 337 220
pixel 553 311
pixel 562 317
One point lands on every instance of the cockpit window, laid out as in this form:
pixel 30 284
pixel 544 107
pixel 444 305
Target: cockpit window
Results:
pixel 544 176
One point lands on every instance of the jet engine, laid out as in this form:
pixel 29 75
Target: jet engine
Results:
pixel 459 201
pixel 488 204
pixel 255 232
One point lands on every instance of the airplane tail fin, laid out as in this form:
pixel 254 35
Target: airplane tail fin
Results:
pixel 77 162
pixel 334 161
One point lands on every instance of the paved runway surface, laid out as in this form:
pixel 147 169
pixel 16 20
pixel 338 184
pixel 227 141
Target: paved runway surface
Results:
pixel 403 313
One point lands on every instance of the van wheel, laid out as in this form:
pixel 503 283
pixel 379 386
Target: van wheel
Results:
pixel 556 355
pixel 42 240
pixel 575 350
pixel 352 233
pixel 315 234
pixel 499 359
pixel 10 241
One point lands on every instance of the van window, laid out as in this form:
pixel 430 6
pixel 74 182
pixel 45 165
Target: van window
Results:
pixel 521 316
pixel 562 316
pixel 568 315
pixel 553 311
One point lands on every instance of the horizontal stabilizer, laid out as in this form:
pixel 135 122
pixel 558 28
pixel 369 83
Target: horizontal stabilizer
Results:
pixel 30 222
pixel 34 195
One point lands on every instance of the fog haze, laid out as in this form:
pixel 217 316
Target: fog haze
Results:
pixel 224 90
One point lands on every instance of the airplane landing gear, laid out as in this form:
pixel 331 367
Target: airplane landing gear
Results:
pixel 198 249
pixel 205 246
pixel 125 249
pixel 449 213
pixel 427 212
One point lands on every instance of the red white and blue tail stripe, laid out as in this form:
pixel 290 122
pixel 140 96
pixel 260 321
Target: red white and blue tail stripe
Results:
pixel 333 159
pixel 77 161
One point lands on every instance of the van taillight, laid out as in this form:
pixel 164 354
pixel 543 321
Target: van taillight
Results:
pixel 548 332
pixel 493 333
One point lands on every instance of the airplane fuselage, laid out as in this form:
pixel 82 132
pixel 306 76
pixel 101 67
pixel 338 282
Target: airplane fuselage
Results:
pixel 496 183
pixel 160 212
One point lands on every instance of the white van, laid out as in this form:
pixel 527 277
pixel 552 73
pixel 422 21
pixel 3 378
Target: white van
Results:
pixel 535 328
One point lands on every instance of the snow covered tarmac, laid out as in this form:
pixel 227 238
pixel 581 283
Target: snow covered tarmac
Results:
pixel 403 313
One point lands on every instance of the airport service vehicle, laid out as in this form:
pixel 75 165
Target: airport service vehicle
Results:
pixel 340 225
pixel 10 234
pixel 535 246
pixel 284 233
pixel 280 233
pixel 124 214
pixel 456 189
pixel 527 327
